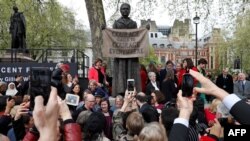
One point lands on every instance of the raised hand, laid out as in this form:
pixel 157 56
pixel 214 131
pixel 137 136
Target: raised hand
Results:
pixel 46 117
pixel 208 87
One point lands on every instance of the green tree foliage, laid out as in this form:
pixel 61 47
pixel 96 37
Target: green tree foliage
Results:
pixel 151 57
pixel 241 42
pixel 48 25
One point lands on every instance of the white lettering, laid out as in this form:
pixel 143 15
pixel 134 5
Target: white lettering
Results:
pixel 231 132
pixel 9 79
pixel 237 131
pixel 3 70
pixel 11 69
pixel 25 78
pixel 14 70
pixel 27 69
pixel 20 69
pixel 243 131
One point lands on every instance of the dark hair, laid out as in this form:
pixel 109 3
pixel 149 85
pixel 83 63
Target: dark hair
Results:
pixel 152 68
pixel 141 98
pixel 143 67
pixel 159 96
pixel 125 4
pixel 169 75
pixel 202 61
pixel 168 116
pixel 97 60
pixel 80 92
pixel 150 114
pixel 190 63
pixel 94 126
pixel 18 75
pixel 105 99
pixel 3 103
pixel 26 118
pixel 169 62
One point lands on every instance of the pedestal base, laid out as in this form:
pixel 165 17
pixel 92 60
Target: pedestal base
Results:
pixel 16 57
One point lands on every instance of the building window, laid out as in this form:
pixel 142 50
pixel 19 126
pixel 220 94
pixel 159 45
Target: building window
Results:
pixel 190 52
pixel 154 45
pixel 162 45
pixel 156 36
pixel 151 35
pixel 169 46
pixel 163 59
pixel 184 53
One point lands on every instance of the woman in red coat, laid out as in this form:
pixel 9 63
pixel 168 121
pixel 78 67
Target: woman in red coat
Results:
pixel 97 73
pixel 187 65
pixel 144 78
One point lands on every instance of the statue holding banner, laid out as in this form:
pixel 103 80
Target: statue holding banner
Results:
pixel 125 68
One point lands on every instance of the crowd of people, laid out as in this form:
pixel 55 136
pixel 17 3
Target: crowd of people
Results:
pixel 158 113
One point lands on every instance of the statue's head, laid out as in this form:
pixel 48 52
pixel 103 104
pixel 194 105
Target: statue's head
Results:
pixel 15 8
pixel 125 10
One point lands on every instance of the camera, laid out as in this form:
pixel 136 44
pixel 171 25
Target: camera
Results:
pixel 187 85
pixel 130 84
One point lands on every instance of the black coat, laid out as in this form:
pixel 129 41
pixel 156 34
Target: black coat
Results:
pixel 179 132
pixel 225 83
pixel 169 89
pixel 150 88
pixel 163 74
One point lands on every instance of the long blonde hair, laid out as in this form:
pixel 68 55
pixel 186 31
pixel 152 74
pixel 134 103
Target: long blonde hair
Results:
pixel 214 104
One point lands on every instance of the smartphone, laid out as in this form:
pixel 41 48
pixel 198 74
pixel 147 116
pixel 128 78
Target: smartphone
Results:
pixel 72 99
pixel 130 84
pixel 187 85
pixel 40 79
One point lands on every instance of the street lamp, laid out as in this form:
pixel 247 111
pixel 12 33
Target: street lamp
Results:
pixel 196 21
pixel 241 67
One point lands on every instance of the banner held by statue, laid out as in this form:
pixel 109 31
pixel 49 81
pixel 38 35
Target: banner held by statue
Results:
pixel 125 43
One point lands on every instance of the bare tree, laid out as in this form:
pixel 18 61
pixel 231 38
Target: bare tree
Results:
pixel 96 20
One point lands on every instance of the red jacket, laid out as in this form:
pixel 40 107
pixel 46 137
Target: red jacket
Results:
pixel 209 115
pixel 93 74
pixel 72 132
pixel 208 138
pixel 182 72
pixel 144 79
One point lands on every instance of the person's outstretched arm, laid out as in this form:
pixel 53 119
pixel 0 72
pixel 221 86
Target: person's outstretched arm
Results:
pixel 179 131
pixel 237 107
pixel 72 130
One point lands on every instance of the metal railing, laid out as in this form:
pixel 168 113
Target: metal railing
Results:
pixel 50 55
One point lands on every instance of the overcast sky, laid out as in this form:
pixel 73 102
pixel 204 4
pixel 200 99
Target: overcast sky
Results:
pixel 159 15
pixel 78 6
